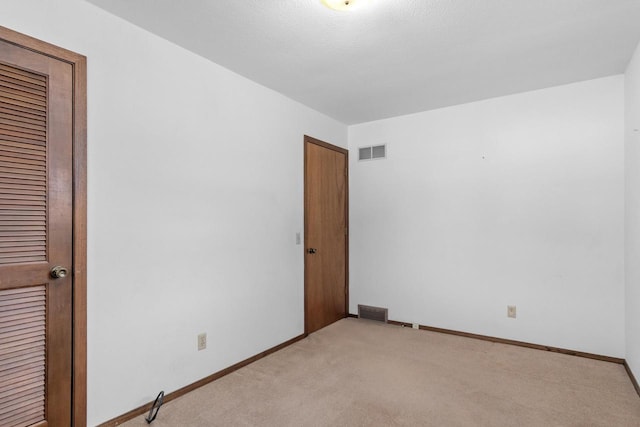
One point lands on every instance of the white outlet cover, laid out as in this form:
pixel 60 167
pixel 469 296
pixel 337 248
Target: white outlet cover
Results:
pixel 202 341
pixel 511 311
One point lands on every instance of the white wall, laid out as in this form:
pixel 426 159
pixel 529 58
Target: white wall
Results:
pixel 195 196
pixel 514 200
pixel 632 211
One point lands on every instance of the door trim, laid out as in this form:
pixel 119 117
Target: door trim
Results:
pixel 311 140
pixel 79 355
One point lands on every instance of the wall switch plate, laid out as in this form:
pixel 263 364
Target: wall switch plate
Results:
pixel 298 239
pixel 415 326
pixel 511 311
pixel 202 341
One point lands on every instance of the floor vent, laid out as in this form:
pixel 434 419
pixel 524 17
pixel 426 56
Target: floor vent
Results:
pixel 378 314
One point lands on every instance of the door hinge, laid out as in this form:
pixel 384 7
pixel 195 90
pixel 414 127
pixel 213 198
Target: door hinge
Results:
pixel 346 231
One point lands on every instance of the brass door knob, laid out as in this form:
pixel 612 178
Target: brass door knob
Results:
pixel 59 272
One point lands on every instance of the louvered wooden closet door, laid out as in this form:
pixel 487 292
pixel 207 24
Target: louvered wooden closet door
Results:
pixel 35 235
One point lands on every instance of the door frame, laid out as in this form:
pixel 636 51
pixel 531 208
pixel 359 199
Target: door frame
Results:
pixel 311 140
pixel 79 212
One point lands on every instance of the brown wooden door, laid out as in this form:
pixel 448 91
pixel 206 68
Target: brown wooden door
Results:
pixel 326 234
pixel 36 142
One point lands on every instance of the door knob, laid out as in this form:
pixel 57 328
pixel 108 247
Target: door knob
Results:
pixel 59 272
pixel 312 251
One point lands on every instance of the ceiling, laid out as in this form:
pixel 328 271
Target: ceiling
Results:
pixel 395 57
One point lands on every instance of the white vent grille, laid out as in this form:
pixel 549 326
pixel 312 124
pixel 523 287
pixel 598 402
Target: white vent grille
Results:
pixel 365 153
pixel 374 152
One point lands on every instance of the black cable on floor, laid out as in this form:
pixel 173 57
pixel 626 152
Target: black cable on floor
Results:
pixel 153 412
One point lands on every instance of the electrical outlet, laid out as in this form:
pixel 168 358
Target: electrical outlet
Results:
pixel 415 326
pixel 202 341
pixel 511 311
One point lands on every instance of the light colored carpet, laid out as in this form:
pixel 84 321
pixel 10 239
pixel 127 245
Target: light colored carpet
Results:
pixel 362 373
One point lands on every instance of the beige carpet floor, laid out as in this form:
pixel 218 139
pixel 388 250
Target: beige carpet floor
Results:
pixel 362 373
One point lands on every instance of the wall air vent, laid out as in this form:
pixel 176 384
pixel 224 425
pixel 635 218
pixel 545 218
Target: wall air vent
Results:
pixel 372 153
pixel 378 314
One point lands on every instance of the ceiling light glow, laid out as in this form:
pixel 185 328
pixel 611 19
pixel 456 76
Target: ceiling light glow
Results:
pixel 341 4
